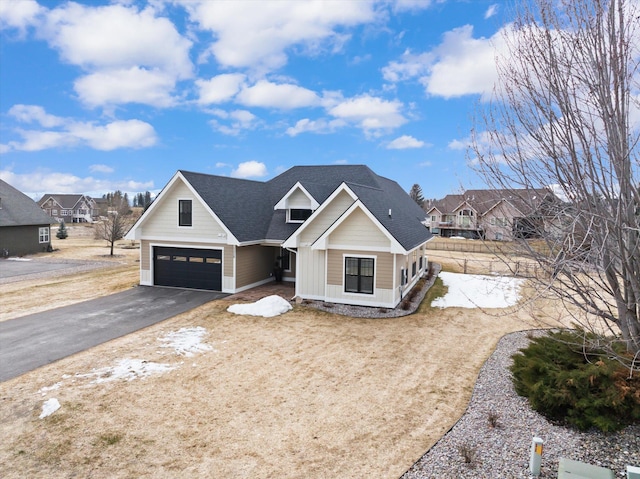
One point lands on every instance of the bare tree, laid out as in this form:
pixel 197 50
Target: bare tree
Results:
pixel 564 115
pixel 113 228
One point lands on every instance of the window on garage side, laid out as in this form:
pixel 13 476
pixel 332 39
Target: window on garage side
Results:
pixel 358 275
pixel 185 215
pixel 43 234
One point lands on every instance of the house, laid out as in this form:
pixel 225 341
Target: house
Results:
pixel 500 215
pixel 24 227
pixel 69 208
pixel 341 232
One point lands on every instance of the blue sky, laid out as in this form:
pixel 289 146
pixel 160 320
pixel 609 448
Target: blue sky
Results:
pixel 97 96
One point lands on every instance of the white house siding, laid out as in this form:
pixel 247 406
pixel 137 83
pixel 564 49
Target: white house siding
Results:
pixel 164 222
pixel 325 218
pixel 359 232
pixel 298 199
pixel 310 285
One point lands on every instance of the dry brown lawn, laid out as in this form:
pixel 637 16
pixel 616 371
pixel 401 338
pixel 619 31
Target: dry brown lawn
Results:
pixel 305 394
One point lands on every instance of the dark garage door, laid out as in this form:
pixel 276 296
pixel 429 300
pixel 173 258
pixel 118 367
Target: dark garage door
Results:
pixel 187 268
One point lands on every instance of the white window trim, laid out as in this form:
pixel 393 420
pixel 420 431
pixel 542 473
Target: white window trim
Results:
pixel 178 216
pixel 44 232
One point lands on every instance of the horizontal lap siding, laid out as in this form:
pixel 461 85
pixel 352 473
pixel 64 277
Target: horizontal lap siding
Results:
pixel 164 220
pixel 359 231
pixel 383 267
pixel 326 218
pixel 253 264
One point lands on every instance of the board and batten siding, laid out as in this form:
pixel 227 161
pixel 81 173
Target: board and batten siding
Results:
pixel 164 222
pixel 311 284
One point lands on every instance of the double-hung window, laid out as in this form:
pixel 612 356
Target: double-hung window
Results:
pixel 43 234
pixel 358 275
pixel 185 215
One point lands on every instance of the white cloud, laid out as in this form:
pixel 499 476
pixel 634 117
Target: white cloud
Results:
pixel 411 5
pixel 491 11
pixel 100 169
pixel 283 96
pixel 116 36
pixel 465 65
pixel 133 85
pixel 70 133
pixel 239 120
pixel 19 14
pixel 258 38
pixel 460 65
pixel 129 55
pixel 373 115
pixel 315 126
pixel 250 169
pixel 219 89
pixel 31 113
pixel 48 181
pixel 404 142
pixel 114 135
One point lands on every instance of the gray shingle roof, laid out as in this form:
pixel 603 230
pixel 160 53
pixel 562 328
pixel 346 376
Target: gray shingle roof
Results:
pixel 246 207
pixel 17 209
pixel 66 201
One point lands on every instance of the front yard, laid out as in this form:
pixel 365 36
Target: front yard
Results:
pixel 304 394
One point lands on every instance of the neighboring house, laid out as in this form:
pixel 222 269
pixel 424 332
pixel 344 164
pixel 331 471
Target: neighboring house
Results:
pixel 69 208
pixel 24 227
pixel 342 233
pixel 500 215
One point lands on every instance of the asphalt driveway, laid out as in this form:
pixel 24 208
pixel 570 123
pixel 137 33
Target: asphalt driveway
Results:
pixel 32 341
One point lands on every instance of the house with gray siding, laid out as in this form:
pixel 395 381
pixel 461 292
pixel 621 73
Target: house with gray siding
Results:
pixel 342 233
pixel 24 227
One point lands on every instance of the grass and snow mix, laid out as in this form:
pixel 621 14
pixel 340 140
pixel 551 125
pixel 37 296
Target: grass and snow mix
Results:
pixel 478 291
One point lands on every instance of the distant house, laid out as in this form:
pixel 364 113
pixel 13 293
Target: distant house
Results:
pixel 500 215
pixel 24 227
pixel 69 208
pixel 342 233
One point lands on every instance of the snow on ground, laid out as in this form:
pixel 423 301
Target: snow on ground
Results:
pixel 268 307
pixel 49 407
pixel 126 369
pixel 477 291
pixel 16 258
pixel 186 341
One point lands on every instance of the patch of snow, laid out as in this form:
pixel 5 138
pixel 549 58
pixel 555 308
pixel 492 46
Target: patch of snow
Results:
pixel 267 307
pixel 478 291
pixel 49 407
pixel 186 341
pixel 46 389
pixel 128 370
pixel 15 258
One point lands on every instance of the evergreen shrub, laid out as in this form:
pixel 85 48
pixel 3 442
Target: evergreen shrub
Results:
pixel 62 231
pixel 567 380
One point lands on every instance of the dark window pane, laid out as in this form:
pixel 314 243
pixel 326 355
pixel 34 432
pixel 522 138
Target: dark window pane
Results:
pixel 299 214
pixel 184 213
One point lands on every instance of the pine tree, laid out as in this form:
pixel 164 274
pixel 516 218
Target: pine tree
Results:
pixel 416 194
pixel 62 231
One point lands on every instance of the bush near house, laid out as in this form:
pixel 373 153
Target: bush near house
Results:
pixel 565 380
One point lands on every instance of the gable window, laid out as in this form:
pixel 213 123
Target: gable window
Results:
pixel 185 216
pixel 358 275
pixel 43 234
pixel 299 214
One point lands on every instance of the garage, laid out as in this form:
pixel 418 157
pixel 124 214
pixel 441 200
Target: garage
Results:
pixel 187 268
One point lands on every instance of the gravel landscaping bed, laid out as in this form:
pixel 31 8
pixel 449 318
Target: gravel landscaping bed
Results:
pixel 493 438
